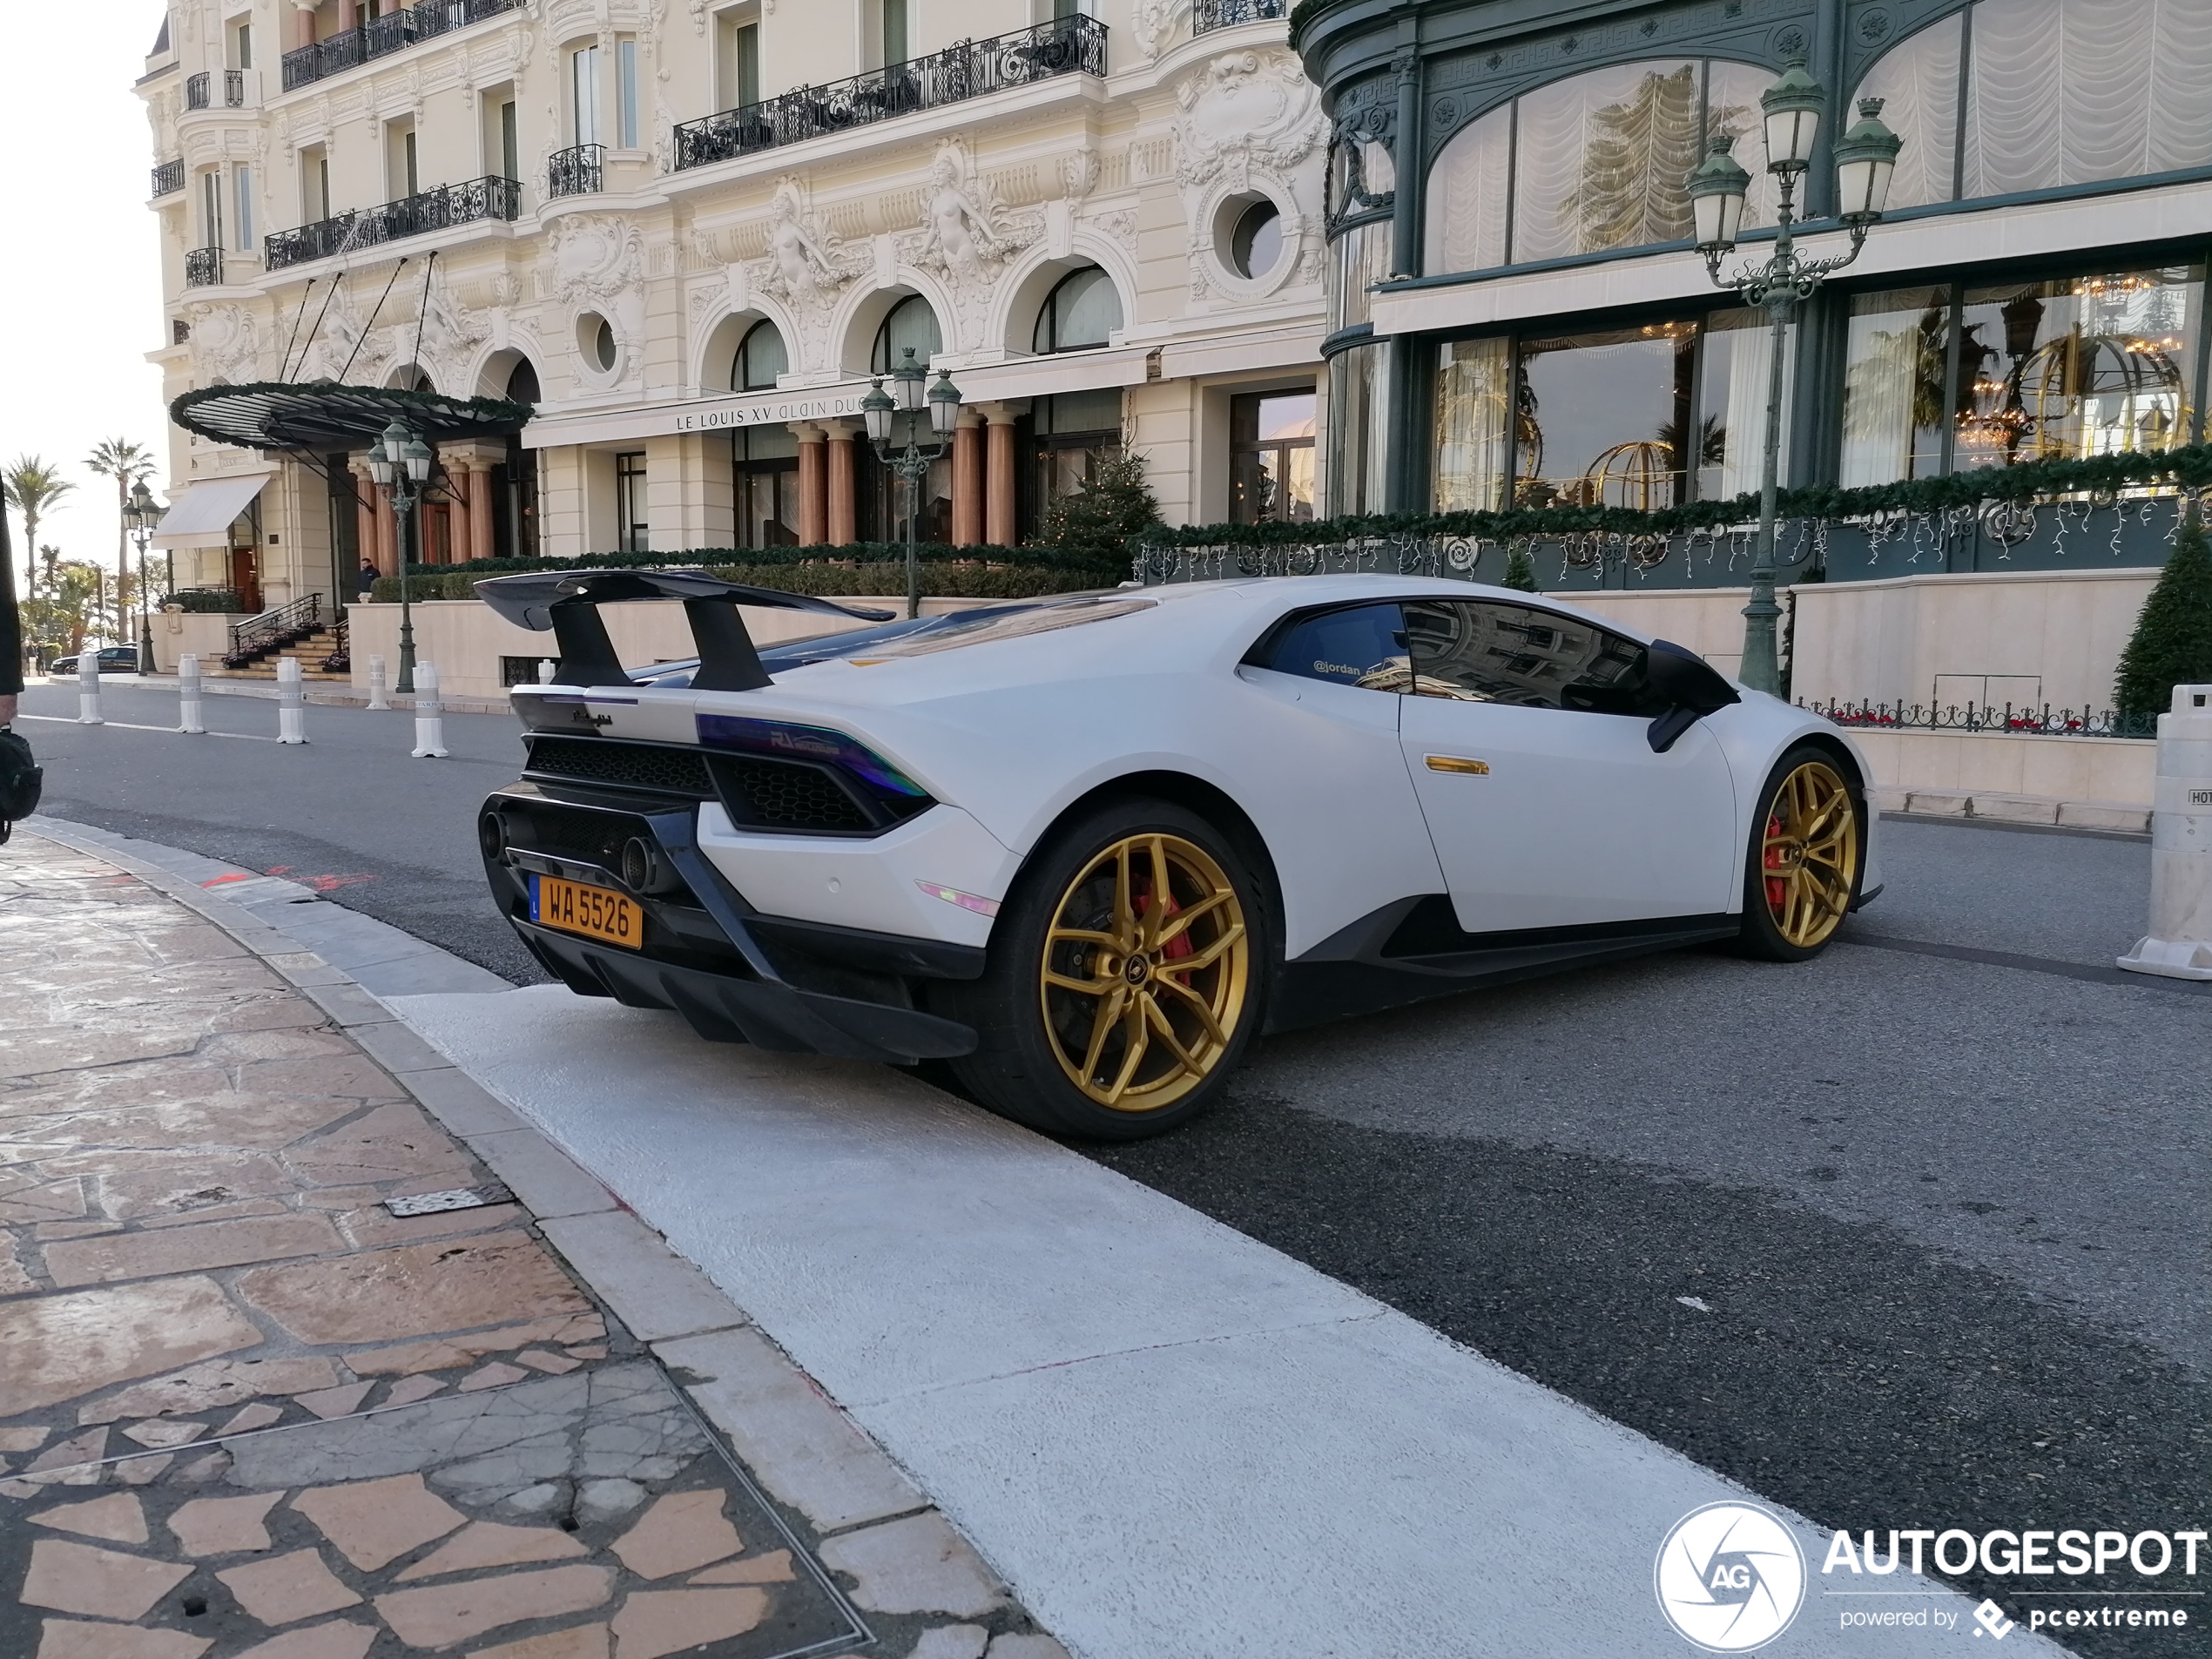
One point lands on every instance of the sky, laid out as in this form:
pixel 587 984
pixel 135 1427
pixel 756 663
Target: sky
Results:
pixel 82 283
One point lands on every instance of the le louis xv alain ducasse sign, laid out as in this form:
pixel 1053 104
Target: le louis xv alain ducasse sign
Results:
pixel 770 409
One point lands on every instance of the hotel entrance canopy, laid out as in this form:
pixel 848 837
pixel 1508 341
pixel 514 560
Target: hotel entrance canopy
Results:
pixel 322 417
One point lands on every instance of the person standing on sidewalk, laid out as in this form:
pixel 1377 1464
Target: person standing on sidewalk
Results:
pixel 365 580
pixel 10 630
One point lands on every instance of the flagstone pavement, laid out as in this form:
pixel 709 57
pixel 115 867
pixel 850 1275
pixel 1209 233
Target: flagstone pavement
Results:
pixel 246 1410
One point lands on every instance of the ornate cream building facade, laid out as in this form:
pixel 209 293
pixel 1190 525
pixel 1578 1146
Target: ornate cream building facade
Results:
pixel 688 232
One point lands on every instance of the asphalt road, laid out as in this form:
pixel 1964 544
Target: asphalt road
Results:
pixel 1939 1201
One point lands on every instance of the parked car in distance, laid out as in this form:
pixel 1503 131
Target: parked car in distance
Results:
pixel 114 660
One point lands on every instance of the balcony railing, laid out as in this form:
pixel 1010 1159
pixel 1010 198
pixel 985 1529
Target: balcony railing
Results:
pixel 199 89
pixel 169 178
pixel 967 69
pixel 433 210
pixel 580 172
pixel 203 268
pixel 379 36
pixel 1222 14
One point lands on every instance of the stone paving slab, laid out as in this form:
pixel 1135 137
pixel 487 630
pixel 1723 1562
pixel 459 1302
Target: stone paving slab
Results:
pixel 247 1412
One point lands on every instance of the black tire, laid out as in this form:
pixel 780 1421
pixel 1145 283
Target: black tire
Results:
pixel 1027 1066
pixel 1797 892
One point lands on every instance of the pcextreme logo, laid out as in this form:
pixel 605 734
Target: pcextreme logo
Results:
pixel 1730 1577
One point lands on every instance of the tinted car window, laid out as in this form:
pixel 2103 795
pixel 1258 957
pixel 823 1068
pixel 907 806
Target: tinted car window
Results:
pixel 1485 651
pixel 1362 646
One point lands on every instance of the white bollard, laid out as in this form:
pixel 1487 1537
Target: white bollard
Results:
pixel 88 686
pixel 189 718
pixel 2179 945
pixel 546 667
pixel 429 716
pixel 379 692
pixel 292 702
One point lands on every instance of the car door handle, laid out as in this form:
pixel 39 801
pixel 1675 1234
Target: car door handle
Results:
pixel 1459 764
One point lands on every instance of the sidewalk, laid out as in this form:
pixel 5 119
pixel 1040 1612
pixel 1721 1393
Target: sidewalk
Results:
pixel 252 1402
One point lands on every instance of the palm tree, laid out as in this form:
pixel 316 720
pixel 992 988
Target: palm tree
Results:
pixel 127 463
pixel 31 484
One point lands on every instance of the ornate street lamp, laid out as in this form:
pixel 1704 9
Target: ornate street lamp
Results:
pixel 140 515
pixel 1865 158
pixel 399 463
pixel 878 409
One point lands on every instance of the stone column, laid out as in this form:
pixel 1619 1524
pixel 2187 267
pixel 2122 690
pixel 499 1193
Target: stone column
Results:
pixel 813 484
pixel 967 479
pixel 844 499
pixel 998 495
pixel 349 14
pixel 387 534
pixel 365 493
pixel 480 533
pixel 460 510
pixel 303 24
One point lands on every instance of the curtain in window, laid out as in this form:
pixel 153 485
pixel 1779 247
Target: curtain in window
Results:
pixel 1602 160
pixel 1474 390
pixel 1357 259
pixel 1893 386
pixel 1918 83
pixel 1731 442
pixel 1358 398
pixel 1468 191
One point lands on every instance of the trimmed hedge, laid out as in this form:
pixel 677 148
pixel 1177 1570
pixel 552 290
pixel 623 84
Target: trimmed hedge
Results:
pixel 940 579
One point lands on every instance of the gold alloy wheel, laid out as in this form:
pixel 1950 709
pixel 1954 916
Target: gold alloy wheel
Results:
pixel 1810 854
pixel 1142 999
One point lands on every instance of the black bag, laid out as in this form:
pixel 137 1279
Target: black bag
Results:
pixel 20 779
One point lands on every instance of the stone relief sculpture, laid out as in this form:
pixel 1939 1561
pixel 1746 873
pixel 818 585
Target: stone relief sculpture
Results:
pixel 966 236
pixel 1245 109
pixel 1244 119
pixel 807 263
pixel 451 332
pixel 225 344
pixel 1155 25
pixel 596 262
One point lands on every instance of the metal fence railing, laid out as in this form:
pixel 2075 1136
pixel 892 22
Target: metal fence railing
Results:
pixel 1208 15
pixel 431 210
pixel 965 69
pixel 2009 718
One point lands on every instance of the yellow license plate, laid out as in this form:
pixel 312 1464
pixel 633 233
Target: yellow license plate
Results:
pixel 593 912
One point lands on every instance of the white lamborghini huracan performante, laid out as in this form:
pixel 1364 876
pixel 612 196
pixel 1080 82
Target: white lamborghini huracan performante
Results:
pixel 1087 848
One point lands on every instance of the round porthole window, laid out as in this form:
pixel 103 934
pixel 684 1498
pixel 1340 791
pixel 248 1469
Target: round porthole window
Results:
pixel 1256 239
pixel 595 340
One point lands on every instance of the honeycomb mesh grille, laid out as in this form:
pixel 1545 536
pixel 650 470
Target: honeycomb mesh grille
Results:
pixel 635 766
pixel 776 794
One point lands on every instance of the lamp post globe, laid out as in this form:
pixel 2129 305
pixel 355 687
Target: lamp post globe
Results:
pixel 1792 108
pixel 1865 158
pixel 876 409
pixel 944 405
pixel 909 461
pixel 1717 192
pixel 139 516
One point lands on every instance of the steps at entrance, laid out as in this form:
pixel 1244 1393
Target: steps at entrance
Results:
pixel 311 653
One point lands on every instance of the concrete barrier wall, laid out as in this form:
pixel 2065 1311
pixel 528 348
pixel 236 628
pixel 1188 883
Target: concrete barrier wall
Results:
pixel 205 633
pixel 2027 639
pixel 2048 768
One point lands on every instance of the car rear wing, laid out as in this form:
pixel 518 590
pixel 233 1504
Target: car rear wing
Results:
pixel 567 602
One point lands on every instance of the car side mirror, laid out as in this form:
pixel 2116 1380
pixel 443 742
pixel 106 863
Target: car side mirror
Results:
pixel 1691 687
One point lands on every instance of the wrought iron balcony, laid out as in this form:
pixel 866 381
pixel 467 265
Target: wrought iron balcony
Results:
pixel 199 89
pixel 169 178
pixel 967 69
pixel 433 210
pixel 579 172
pixel 379 36
pixel 1222 14
pixel 203 268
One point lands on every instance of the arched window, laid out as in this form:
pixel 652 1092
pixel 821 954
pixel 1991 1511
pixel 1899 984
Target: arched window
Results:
pixel 761 359
pixel 911 323
pixel 521 383
pixel 2016 95
pixel 1080 312
pixel 1595 162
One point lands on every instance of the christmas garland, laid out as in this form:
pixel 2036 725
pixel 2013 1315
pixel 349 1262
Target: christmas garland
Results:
pixel 2095 475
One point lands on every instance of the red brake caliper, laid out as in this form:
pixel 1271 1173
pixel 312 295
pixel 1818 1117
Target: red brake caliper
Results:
pixel 1177 947
pixel 1777 887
